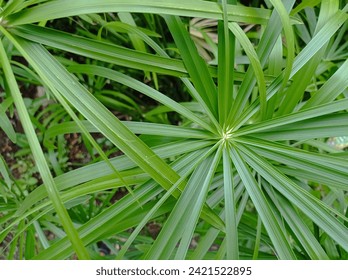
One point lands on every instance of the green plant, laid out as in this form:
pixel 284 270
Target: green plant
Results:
pixel 245 174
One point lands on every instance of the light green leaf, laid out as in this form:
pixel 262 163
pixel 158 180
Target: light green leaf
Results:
pixel 194 63
pixel 275 231
pixel 298 226
pixel 196 8
pixel 40 158
pixel 308 204
pixel 255 62
pixel 230 208
pixel 226 57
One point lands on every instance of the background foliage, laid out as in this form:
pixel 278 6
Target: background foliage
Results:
pixel 173 129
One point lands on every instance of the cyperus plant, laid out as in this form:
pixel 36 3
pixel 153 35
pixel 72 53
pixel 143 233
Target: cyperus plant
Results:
pixel 247 172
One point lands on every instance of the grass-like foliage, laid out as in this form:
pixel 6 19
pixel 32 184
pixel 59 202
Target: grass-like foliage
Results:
pixel 241 156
